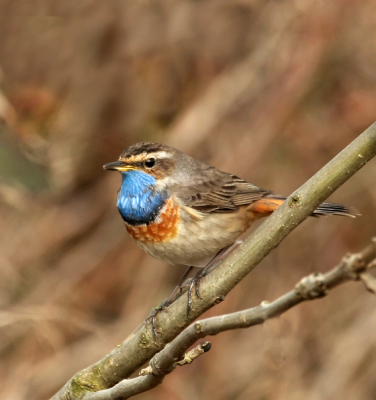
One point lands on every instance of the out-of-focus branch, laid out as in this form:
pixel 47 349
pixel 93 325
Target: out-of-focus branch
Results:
pixel 314 286
pixel 142 345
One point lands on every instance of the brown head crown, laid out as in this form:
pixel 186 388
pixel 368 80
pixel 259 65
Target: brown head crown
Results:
pixel 152 158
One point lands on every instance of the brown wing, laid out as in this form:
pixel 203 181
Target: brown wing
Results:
pixel 218 192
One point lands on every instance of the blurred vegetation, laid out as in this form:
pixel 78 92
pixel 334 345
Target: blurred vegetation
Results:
pixel 269 91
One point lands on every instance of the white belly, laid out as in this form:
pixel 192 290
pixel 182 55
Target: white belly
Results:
pixel 197 240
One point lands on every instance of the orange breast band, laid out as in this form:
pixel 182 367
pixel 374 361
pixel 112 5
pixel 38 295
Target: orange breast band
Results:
pixel 163 228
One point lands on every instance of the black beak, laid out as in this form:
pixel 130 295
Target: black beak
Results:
pixel 115 166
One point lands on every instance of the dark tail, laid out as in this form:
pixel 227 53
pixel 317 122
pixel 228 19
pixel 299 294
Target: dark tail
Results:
pixel 271 202
pixel 335 209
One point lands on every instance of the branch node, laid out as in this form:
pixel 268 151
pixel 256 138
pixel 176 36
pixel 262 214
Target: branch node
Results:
pixel 294 201
pixel 194 353
pixel 354 265
pixel 146 371
pixel 158 367
pixel 311 287
pixel 144 342
pixel 198 326
pixel 219 299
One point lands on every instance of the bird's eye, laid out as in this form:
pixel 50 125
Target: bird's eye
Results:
pixel 150 162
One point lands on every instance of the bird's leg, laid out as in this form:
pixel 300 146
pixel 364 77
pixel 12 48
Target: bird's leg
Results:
pixel 195 283
pixel 167 302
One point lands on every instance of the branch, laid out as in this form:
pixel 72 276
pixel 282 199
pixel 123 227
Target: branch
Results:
pixel 314 286
pixel 161 365
pixel 141 345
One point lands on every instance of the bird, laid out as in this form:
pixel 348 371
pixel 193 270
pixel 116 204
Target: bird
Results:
pixel 183 211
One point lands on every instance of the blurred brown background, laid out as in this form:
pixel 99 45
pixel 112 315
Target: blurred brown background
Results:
pixel 267 90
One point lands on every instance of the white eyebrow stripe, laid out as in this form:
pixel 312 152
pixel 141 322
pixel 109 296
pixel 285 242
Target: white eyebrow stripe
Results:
pixel 144 156
pixel 160 154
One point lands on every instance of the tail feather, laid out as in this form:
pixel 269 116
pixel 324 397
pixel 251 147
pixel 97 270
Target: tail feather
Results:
pixel 335 209
pixel 271 202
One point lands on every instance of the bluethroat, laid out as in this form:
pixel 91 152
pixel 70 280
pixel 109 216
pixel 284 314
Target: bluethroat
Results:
pixel 183 211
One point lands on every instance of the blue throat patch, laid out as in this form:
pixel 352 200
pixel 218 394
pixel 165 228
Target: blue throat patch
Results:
pixel 138 200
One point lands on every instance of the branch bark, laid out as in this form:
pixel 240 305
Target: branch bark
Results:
pixel 142 345
pixel 314 286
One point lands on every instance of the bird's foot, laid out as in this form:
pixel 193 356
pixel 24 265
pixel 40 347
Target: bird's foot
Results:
pixel 195 285
pixel 153 316
pixel 167 302
pixel 195 282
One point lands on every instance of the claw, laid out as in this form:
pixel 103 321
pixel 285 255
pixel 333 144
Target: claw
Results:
pixel 197 287
pixel 189 304
pixel 195 283
pixel 154 322
pixel 153 317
